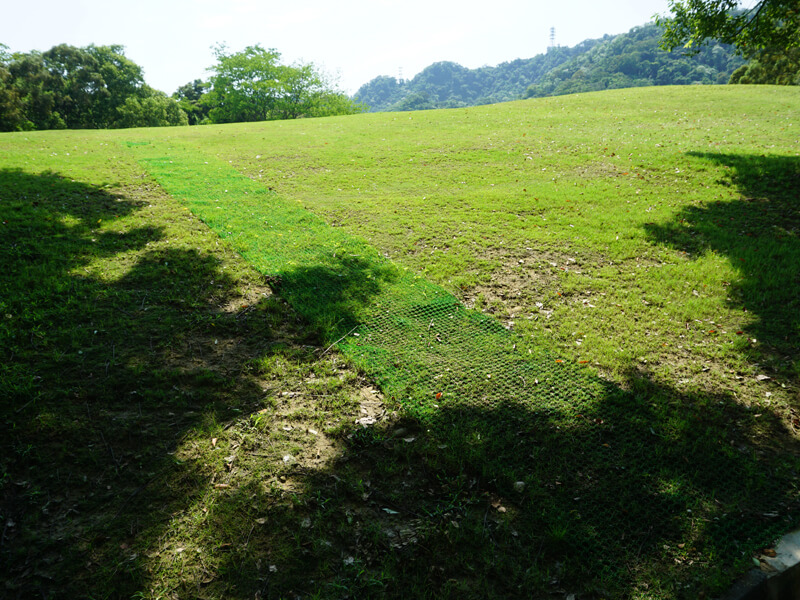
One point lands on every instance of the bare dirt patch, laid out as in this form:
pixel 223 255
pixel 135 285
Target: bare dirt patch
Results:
pixel 523 284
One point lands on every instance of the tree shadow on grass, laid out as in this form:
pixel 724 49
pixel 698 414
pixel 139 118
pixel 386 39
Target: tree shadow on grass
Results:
pixel 649 492
pixel 109 375
pixel 117 341
pixel 760 235
pixel 338 296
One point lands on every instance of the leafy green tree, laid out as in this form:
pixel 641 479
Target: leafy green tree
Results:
pixel 121 79
pixel 12 117
pixel 190 99
pixel 252 85
pixel 78 87
pixel 36 88
pixel 91 87
pixel 153 110
pixel 769 24
pixel 330 104
pixel 778 68
pixel 74 87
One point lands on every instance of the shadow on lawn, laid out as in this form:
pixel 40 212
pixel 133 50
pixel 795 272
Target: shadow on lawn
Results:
pixel 107 374
pixel 760 235
pixel 650 492
pixel 106 365
pixel 333 297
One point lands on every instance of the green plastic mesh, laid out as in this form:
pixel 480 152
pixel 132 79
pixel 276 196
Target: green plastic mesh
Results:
pixel 618 472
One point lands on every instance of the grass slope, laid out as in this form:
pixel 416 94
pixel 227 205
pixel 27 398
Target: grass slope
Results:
pixel 612 228
pixel 672 212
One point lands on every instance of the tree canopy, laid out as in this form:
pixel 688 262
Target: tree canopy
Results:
pixel 87 88
pixel 777 68
pixel 189 97
pixel 252 85
pixel 769 25
pixel 99 87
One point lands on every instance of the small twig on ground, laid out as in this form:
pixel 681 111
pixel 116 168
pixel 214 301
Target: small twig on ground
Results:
pixel 3 537
pixel 132 496
pixel 24 406
pixel 337 341
pixel 110 449
pixel 247 541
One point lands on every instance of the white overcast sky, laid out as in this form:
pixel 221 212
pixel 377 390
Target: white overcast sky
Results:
pixel 351 40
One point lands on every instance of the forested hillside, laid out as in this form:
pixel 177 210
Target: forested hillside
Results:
pixel 627 60
pixel 634 59
pixel 450 85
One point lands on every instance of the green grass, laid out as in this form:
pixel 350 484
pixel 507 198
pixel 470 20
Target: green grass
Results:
pixel 650 235
pixel 653 187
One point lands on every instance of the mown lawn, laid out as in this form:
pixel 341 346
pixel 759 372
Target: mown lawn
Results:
pixel 176 425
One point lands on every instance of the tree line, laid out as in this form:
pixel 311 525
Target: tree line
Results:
pixel 98 87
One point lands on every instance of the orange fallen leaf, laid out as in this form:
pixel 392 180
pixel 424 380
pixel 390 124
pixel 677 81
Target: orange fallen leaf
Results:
pixel 439 396
pixel 559 360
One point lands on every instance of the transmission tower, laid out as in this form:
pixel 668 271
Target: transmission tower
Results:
pixel 552 37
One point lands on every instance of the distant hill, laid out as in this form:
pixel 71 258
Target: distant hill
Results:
pixel 634 59
pixel 630 59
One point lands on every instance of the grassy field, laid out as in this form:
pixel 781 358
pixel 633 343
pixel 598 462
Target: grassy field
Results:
pixel 186 412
